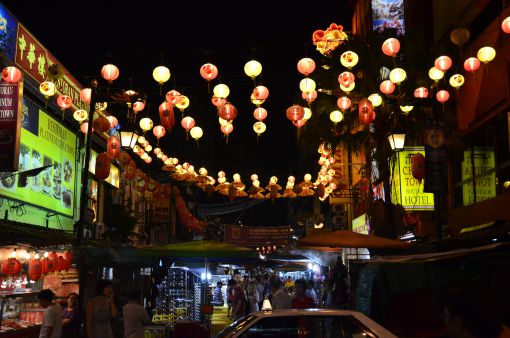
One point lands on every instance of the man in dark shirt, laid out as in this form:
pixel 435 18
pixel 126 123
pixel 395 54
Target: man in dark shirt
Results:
pixel 301 300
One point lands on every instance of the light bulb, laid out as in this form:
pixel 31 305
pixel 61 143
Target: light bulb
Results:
pixel 46 254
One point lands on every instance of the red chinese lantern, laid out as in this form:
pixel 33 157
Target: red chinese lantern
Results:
pixel 63 264
pixel 11 266
pixel 442 96
pixel 130 170
pixel 391 47
pixel 173 97
pixel 124 158
pixel 68 255
pixel 295 113
pixel 365 107
pixel 113 146
pixel 228 112
pixel 227 128
pixel 11 74
pixel 218 101
pixel 34 269
pixel 53 256
pixel 110 72
pixel 421 93
pixel 113 121
pixel 138 106
pixel 84 127
pixel 306 66
pixel 102 166
pixel 387 87
pixel 260 93
pixel 101 124
pixel 346 79
pixel 64 101
pixel 366 119
pixel 299 123
pixel 86 95
pixel 443 63
pixel 344 103
pixel 260 114
pixel 471 64
pixel 187 123
pixel 418 166
pixel 309 96
pixel 209 71
pixel 363 185
pixel 505 25
pixel 166 115
pixel 48 266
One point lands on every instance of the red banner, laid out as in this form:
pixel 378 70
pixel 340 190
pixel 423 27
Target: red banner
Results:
pixel 257 236
pixel 10 124
pixel 32 57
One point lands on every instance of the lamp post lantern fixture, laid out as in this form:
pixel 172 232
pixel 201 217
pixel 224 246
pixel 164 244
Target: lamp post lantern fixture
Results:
pixel 397 141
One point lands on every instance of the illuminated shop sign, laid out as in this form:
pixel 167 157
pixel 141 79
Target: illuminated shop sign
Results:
pixel 484 165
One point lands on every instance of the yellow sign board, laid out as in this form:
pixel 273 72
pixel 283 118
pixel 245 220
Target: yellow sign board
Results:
pixel 360 225
pixel 406 190
pixel 484 164
pixel 113 178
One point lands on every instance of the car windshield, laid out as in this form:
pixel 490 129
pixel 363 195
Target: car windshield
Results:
pixel 235 327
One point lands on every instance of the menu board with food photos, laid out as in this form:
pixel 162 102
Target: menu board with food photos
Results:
pixel 44 142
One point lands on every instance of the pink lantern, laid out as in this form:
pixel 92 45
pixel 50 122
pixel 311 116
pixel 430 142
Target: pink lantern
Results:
pixel 113 121
pixel 260 114
pixel 218 101
pixel 365 107
pixel 64 101
pixel 421 93
pixel 505 25
pixel 443 63
pixel 309 96
pixel 173 97
pixel 157 151
pixel 138 106
pixel 228 112
pixel 148 159
pixel 187 123
pixel 346 79
pixel 164 158
pixel 110 72
pixel 144 143
pixel 260 93
pixel 391 47
pixel 85 95
pixel 295 113
pixel 84 127
pixel 299 123
pixel 209 71
pixel 306 66
pixel 442 96
pixel 471 64
pixel 159 131
pixel 11 74
pixel 343 103
pixel 227 128
pixel 387 87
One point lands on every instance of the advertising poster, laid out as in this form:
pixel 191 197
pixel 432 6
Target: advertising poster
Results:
pixel 360 225
pixel 44 141
pixel 485 175
pixel 257 236
pixel 8 31
pixel 10 108
pixel 388 14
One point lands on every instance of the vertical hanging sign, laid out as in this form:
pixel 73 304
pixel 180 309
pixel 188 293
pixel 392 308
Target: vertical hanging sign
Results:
pixel 10 124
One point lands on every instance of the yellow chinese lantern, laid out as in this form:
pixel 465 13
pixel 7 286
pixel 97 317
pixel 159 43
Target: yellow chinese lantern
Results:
pixel 397 75
pixel 148 148
pixel 146 124
pixel 308 113
pixel 161 74
pixel 436 74
pixel 307 85
pixel 141 140
pixel 47 88
pixel 222 121
pixel 221 90
pixel 486 54
pixel 348 88
pixel 336 116
pixel 349 59
pixel 255 101
pixel 144 156
pixel 406 109
pixel 376 99
pixel 456 80
pixel 259 127
pixel 196 133
pixel 183 103
pixel 253 68
pixel 80 115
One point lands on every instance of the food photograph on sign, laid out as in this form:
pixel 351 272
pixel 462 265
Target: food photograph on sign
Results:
pixel 44 142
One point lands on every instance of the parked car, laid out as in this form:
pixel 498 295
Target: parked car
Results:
pixel 309 323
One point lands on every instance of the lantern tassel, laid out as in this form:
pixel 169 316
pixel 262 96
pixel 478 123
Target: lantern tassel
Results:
pixel 63 111
pixel 187 134
pixel 226 142
pixel 198 146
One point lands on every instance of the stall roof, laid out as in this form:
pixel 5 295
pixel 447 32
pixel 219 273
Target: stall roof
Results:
pixel 349 239
pixel 13 233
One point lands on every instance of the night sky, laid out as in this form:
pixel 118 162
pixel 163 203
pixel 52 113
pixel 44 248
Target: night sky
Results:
pixel 183 35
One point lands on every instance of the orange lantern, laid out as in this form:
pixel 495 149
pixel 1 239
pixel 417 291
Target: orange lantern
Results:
pixel 505 25
pixel 309 96
pixel 260 93
pixel 34 269
pixel 306 66
pixel 391 47
pixel 113 146
pixel 64 101
pixel 260 114
pixel 173 97
pixel 138 106
pixel 418 166
pixel 343 103
pixel 365 107
pixel 11 74
pixel 442 96
pixel 101 124
pixel 11 266
pixel 166 115
pixel 86 95
pixel 443 63
pixel 471 64
pixel 209 71
pixel 187 123
pixel 218 101
pixel 387 87
pixel 159 131
pixel 299 123
pixel 295 113
pixel 228 112
pixel 366 119
pixel 227 128
pixel 110 72
pixel 421 93
pixel 102 166
pixel 346 79
pixel 84 127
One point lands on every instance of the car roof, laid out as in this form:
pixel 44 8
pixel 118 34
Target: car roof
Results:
pixel 303 312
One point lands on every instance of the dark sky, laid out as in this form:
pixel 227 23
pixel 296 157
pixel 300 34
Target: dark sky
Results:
pixel 183 35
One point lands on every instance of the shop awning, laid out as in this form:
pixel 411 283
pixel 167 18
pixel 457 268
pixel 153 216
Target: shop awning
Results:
pixel 13 233
pixel 211 250
pixel 349 239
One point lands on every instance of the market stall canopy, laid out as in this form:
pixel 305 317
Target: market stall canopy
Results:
pixel 115 256
pixel 349 239
pixel 211 250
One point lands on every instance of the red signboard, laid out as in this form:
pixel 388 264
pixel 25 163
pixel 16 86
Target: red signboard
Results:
pixel 257 236
pixel 32 57
pixel 10 124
